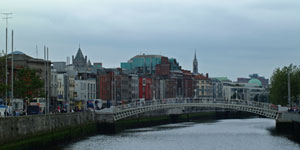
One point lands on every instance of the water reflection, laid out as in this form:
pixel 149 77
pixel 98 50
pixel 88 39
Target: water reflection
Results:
pixel 234 134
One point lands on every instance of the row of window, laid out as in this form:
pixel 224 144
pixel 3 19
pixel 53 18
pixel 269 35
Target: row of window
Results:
pixel 88 86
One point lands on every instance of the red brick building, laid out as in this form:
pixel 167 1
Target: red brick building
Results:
pixel 163 69
pixel 145 88
pixel 104 84
pixel 188 86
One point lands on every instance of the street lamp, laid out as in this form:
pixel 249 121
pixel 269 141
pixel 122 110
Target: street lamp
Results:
pixel 289 89
pixel 6 71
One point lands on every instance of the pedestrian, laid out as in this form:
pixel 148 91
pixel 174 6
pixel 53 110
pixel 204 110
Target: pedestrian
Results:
pixel 58 109
pixel 5 113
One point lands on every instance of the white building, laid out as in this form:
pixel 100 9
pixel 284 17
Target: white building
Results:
pixel 84 90
pixel 244 91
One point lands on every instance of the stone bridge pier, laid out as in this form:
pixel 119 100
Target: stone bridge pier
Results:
pixel 289 123
pixel 105 123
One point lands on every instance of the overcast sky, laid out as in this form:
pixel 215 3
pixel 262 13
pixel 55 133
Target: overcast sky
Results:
pixel 233 38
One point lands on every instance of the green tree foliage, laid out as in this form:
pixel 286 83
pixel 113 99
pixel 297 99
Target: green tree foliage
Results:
pixel 28 84
pixel 279 85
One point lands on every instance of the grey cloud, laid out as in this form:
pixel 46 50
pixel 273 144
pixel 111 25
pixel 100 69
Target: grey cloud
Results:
pixel 226 33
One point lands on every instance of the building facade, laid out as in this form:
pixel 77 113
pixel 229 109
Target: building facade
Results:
pixel 84 91
pixel 203 86
pixel 146 64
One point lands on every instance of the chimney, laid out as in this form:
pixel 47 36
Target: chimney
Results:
pixel 72 59
pixel 206 75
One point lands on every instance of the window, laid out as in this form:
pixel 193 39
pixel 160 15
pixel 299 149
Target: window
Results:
pixel 144 82
pixel 82 86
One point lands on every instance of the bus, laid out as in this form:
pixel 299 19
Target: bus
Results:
pixel 33 110
pixel 40 102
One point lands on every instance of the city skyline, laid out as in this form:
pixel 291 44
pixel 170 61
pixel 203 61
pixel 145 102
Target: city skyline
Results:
pixel 232 38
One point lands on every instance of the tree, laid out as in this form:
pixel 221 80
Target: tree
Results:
pixel 279 84
pixel 28 84
pixel 3 86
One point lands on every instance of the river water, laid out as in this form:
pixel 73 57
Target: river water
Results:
pixel 229 134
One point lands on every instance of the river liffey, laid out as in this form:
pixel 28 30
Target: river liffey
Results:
pixel 229 134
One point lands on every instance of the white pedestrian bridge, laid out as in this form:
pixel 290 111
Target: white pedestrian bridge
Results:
pixel 116 113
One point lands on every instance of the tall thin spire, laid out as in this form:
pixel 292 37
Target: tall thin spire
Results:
pixel 195 64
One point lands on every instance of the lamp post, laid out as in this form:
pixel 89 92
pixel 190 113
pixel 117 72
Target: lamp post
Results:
pixel 289 89
pixel 6 73
pixel 12 65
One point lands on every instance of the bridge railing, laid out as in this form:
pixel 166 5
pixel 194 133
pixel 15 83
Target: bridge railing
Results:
pixel 137 104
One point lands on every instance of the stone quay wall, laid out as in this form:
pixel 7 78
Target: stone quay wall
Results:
pixel 17 128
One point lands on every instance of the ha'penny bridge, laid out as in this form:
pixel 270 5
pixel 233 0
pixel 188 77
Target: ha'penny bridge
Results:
pixel 132 109
pixel 284 120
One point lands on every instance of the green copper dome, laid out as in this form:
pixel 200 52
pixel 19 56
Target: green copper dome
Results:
pixel 255 82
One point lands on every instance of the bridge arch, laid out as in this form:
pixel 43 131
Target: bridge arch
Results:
pixel 262 109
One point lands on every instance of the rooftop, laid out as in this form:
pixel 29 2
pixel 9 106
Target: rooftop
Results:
pixel 255 82
pixel 17 53
pixel 222 79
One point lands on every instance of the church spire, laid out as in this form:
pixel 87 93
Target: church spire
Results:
pixel 195 64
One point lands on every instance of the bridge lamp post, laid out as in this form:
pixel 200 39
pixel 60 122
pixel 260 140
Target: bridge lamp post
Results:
pixel 289 89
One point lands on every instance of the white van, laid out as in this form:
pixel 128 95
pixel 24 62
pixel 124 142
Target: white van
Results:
pixel 17 106
pixel 2 110
pixel 282 109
